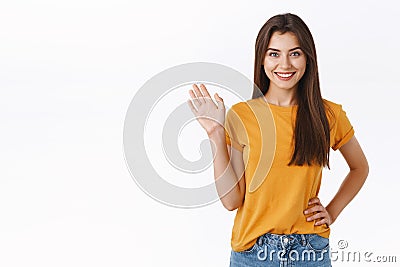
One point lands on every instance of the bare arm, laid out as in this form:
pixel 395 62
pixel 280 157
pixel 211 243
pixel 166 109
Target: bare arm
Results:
pixel 228 171
pixel 228 163
pixel 349 188
pixel 354 180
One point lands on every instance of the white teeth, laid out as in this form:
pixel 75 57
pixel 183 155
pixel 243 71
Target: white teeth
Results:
pixel 284 75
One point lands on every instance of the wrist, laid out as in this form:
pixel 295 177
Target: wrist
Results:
pixel 217 132
pixel 332 214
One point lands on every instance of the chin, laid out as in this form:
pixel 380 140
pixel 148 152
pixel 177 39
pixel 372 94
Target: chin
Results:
pixel 286 86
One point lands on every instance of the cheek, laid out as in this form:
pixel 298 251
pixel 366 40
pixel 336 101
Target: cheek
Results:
pixel 268 70
pixel 269 66
pixel 300 66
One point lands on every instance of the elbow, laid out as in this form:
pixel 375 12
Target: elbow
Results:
pixel 362 170
pixel 365 169
pixel 233 200
pixel 230 208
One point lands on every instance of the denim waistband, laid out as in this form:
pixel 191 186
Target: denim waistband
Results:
pixel 283 239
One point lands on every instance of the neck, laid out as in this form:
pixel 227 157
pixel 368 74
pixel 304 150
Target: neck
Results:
pixel 281 97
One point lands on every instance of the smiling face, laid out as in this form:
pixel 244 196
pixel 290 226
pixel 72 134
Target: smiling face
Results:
pixel 284 62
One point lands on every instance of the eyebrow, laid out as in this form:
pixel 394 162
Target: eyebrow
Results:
pixel 274 49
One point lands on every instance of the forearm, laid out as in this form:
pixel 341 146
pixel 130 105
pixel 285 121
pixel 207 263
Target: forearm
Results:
pixel 226 180
pixel 347 191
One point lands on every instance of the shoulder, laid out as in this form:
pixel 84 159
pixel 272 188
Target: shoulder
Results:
pixel 332 104
pixel 334 112
pixel 332 108
pixel 245 106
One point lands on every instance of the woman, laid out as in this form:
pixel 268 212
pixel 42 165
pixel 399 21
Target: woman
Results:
pixel 280 219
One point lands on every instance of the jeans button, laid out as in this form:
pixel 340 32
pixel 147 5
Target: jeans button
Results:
pixel 260 241
pixel 285 240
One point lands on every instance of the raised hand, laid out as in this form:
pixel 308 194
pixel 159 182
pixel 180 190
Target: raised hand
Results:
pixel 208 114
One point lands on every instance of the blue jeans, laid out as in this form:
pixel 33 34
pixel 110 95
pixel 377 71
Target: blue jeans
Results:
pixel 294 250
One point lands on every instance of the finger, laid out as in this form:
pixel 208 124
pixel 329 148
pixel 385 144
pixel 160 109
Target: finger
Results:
pixel 316 216
pixel 199 95
pixel 204 91
pixel 220 101
pixel 194 98
pixel 192 107
pixel 323 221
pixel 315 208
pixel 314 200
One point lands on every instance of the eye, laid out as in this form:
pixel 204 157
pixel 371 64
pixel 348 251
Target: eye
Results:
pixel 273 54
pixel 296 54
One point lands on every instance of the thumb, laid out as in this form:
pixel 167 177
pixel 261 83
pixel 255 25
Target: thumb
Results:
pixel 220 101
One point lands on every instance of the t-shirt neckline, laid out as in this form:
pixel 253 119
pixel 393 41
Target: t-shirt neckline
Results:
pixel 277 107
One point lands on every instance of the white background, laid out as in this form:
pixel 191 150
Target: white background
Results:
pixel 68 71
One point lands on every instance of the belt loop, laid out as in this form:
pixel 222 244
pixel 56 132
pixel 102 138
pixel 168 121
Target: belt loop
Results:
pixel 303 240
pixel 260 240
pixel 284 240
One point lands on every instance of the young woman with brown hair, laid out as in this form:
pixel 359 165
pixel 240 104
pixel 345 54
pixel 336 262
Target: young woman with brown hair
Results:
pixel 280 220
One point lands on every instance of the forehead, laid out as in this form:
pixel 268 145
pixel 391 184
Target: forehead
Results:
pixel 285 41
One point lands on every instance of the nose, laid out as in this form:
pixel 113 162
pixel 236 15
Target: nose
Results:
pixel 285 62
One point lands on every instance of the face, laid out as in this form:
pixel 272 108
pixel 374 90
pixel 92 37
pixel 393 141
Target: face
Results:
pixel 284 62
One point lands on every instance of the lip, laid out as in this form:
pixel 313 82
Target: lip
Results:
pixel 284 74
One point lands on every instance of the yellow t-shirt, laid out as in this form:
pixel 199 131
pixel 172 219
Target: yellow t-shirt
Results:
pixel 275 203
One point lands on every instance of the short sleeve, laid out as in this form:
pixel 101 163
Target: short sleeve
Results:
pixel 343 130
pixel 233 126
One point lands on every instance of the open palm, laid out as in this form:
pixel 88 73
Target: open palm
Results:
pixel 208 114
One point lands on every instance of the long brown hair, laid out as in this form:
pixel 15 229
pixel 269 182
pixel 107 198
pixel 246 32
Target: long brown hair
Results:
pixel 311 133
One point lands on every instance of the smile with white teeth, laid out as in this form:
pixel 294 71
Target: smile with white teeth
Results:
pixel 284 75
